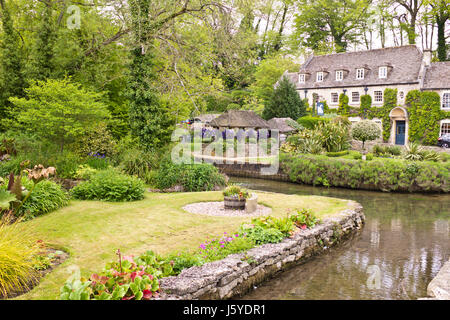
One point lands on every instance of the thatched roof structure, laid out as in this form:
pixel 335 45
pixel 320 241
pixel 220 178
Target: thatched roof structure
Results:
pixel 281 125
pixel 206 118
pixel 239 119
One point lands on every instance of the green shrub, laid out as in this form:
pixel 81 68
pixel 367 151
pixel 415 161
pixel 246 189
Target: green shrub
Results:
pixel 369 157
pixel 357 156
pixel 45 197
pixel 262 235
pixel 310 122
pixel 386 151
pixel 236 191
pixel 304 218
pixel 284 225
pixel 97 162
pixel 85 172
pixel 334 136
pixel 195 177
pixel 378 174
pixel 337 154
pixel 97 141
pixel 139 163
pixel 110 185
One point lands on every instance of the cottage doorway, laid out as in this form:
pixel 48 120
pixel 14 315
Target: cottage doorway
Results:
pixel 400 132
pixel 399 119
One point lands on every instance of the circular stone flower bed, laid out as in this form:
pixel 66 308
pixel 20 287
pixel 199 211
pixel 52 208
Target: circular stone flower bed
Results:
pixel 218 209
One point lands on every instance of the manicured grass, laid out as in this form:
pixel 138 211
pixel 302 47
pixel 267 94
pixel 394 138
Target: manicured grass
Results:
pixel 92 231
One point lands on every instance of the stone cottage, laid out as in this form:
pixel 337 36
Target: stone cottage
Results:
pixel 404 68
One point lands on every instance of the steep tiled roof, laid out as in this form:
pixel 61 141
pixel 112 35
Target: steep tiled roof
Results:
pixel 437 76
pixel 280 124
pixel 239 119
pixel 404 64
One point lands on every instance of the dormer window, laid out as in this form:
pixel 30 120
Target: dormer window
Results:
pixel 360 74
pixel 339 75
pixel 302 78
pixel 319 77
pixel 382 72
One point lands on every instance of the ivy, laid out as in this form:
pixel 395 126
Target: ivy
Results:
pixel 390 102
pixel 366 106
pixel 344 108
pixel 424 115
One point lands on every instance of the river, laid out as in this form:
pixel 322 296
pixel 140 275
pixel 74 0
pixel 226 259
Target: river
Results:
pixel 404 243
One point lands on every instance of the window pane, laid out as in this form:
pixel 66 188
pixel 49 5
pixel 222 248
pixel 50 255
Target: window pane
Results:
pixel 355 96
pixel 445 129
pixel 446 100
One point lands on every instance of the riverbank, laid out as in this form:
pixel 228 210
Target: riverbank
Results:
pixel 388 175
pixel 439 287
pixel 239 273
pixel 92 231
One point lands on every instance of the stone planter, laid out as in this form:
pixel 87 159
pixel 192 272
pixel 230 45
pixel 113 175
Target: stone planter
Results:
pixel 233 203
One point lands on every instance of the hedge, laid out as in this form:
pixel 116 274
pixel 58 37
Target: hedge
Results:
pixel 378 174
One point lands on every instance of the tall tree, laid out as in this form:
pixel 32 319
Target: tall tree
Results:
pixel 42 55
pixel 13 81
pixel 413 8
pixel 441 13
pixel 285 102
pixel 322 21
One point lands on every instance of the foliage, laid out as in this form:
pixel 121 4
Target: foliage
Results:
pixel 386 151
pixel 366 130
pixel 366 106
pixel 97 140
pixel 344 108
pixel 85 172
pixel 334 135
pixel 41 198
pixel 262 235
pixel 390 102
pixel 337 154
pixel 12 63
pixel 236 192
pixel 193 177
pixel 129 279
pixel 424 115
pixel 285 102
pixel 139 163
pixel 110 185
pixel 221 247
pixel 18 246
pixel 415 152
pixel 58 110
pixel 304 218
pixel 378 174
pixel 311 122
pixel 284 225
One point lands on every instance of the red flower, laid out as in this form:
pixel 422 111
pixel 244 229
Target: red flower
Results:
pixel 147 294
pixel 304 227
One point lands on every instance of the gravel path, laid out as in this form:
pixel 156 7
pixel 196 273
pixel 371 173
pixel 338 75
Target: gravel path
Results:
pixel 218 209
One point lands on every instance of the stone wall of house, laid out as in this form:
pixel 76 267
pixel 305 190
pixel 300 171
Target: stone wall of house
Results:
pixel 239 273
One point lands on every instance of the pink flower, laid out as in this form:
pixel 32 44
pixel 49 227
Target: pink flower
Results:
pixel 304 227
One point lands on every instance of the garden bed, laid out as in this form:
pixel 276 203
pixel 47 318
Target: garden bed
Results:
pixel 239 273
pixel 59 257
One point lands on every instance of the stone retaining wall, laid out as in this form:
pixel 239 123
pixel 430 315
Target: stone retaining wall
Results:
pixel 238 273
pixel 250 170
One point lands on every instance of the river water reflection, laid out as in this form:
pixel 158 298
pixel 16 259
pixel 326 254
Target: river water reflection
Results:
pixel 404 243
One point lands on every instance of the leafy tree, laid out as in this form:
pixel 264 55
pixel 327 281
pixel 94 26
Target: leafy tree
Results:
pixel 366 130
pixel 58 110
pixel 42 57
pixel 13 81
pixel 321 22
pixel 285 102
pixel 441 13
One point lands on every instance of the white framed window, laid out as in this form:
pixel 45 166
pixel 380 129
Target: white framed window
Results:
pixel 319 77
pixel 382 72
pixel 339 75
pixel 355 96
pixel 359 74
pixel 402 95
pixel 446 100
pixel 334 98
pixel 301 78
pixel 378 96
pixel 445 128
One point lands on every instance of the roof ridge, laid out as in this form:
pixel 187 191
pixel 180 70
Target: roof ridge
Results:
pixel 359 51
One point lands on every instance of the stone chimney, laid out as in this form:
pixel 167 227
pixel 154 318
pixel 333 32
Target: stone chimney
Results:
pixel 427 57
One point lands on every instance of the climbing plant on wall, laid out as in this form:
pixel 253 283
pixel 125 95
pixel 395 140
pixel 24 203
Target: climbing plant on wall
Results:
pixel 366 105
pixel 390 102
pixel 424 116
pixel 344 108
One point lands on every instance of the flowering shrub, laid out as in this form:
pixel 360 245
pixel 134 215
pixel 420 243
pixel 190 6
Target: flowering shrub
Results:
pixel 304 218
pixel 366 130
pixel 216 249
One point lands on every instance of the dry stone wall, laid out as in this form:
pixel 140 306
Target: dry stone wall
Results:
pixel 238 273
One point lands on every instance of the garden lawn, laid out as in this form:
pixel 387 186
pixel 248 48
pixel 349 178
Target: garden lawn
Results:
pixel 92 231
